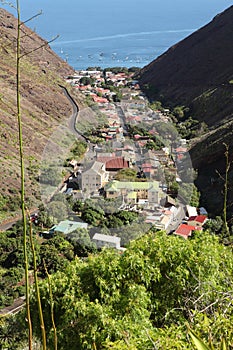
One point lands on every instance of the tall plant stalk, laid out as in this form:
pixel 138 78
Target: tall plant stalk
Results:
pixel 21 153
pixel 227 169
pixel 42 326
pixel 225 180
pixel 51 308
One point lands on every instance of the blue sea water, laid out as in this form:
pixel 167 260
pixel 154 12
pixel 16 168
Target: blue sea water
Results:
pixel 117 32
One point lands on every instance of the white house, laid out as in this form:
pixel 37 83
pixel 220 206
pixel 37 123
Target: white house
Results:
pixel 106 241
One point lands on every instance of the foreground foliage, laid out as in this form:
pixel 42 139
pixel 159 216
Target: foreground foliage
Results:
pixel 144 298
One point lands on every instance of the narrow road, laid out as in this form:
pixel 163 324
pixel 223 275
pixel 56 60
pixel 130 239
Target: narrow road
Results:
pixel 74 117
pixel 6 224
pixel 14 308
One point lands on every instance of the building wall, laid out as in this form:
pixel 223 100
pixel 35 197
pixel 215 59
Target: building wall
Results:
pixel 101 244
pixel 91 182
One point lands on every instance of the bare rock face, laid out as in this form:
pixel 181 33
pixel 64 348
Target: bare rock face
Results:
pixel 44 105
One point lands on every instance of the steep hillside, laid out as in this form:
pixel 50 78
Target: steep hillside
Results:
pixel 44 105
pixel 198 73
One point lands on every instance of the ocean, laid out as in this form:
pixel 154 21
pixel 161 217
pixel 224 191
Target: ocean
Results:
pixel 118 32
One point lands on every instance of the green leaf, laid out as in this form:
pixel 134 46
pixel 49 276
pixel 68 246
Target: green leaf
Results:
pixel 223 344
pixel 198 342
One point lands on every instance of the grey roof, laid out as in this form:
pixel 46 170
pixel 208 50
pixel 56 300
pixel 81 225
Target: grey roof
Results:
pixel 106 238
pixel 96 167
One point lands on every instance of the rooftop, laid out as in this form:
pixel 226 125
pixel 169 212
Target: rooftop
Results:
pixel 199 218
pixel 133 186
pixel 68 226
pixel 106 238
pixel 186 230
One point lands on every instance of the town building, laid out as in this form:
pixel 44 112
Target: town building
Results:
pixel 66 227
pixel 134 192
pixel 198 220
pixel 94 178
pixel 106 241
pixel 185 230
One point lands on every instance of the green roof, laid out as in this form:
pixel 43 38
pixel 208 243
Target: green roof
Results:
pixel 132 195
pixel 116 186
pixel 67 226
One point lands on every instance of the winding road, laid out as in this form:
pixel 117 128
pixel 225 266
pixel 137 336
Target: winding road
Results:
pixel 74 117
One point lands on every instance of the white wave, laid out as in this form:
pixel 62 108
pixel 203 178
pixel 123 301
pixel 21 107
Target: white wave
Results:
pixel 123 35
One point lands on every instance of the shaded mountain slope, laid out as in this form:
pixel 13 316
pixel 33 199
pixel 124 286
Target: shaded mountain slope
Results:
pixel 44 105
pixel 197 72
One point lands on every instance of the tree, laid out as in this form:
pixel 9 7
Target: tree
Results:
pixel 50 176
pixel 55 254
pixel 214 225
pixel 77 206
pixel 79 148
pixel 93 217
pixel 43 217
pixel 178 111
pixel 57 211
pixel 82 243
pixel 127 217
pixel 160 282
pixel 86 81
pixel 195 199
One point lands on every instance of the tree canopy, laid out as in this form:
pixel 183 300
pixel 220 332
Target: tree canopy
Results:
pixel 144 296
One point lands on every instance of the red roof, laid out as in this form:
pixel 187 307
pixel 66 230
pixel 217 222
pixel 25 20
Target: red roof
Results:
pixel 116 163
pixel 186 230
pixel 199 218
pixel 147 170
pixel 99 99
pixel 181 150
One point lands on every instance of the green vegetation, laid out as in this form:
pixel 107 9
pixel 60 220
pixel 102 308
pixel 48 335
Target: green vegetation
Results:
pixel 143 297
pixel 140 299
pixel 79 149
pixel 87 81
pixel 100 213
pixel 126 175
pixel 191 128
